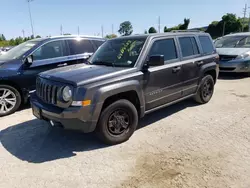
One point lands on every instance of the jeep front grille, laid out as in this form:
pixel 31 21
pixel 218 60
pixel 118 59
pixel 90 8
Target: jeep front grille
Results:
pixel 46 91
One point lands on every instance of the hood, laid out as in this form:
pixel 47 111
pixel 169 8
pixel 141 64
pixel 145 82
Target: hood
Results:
pixel 82 74
pixel 232 51
pixel 10 64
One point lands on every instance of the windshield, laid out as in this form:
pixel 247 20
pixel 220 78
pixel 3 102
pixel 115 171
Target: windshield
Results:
pixel 119 52
pixel 18 51
pixel 233 42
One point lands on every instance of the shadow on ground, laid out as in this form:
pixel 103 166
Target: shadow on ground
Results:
pixel 37 142
pixel 232 76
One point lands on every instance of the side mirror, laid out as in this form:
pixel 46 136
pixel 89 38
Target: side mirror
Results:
pixel 29 59
pixel 156 60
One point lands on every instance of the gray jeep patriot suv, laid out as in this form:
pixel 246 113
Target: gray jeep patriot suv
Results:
pixel 125 79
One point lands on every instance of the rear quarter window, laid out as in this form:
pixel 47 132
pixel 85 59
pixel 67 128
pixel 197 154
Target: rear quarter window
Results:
pixel 206 44
pixel 80 46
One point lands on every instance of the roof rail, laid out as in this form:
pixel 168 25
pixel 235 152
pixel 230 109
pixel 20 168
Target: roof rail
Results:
pixel 183 31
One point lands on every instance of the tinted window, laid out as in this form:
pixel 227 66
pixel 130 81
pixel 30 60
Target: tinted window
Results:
pixel 188 46
pixel 164 47
pixel 206 44
pixel 81 46
pixel 98 42
pixel 49 50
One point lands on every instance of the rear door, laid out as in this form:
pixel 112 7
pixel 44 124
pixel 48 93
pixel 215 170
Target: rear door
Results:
pixel 81 49
pixel 163 83
pixel 191 61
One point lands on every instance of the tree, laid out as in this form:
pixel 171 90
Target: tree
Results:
pixel 126 28
pixel 229 22
pixel 38 36
pixel 183 26
pixel 152 30
pixel 66 34
pixel 145 32
pixel 111 36
pixel 2 37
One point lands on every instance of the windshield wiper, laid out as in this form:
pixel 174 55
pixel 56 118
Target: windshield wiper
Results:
pixel 103 63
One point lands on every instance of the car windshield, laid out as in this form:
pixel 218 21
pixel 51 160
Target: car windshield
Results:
pixel 233 42
pixel 119 52
pixel 18 51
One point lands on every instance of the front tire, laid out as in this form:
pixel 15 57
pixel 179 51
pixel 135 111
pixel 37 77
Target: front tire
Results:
pixel 10 100
pixel 206 90
pixel 117 122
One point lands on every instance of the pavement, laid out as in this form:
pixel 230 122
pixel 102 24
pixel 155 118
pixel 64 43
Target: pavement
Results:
pixel 182 146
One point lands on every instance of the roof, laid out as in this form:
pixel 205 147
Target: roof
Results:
pixel 239 34
pixel 75 36
pixel 161 34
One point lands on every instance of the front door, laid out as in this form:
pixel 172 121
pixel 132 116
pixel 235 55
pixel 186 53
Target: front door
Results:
pixel 48 56
pixel 162 84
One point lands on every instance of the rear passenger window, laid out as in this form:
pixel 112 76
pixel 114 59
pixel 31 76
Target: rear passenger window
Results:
pixel 80 46
pixel 98 43
pixel 164 47
pixel 206 45
pixel 188 46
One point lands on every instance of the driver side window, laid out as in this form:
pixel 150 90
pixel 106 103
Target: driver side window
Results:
pixel 164 47
pixel 50 50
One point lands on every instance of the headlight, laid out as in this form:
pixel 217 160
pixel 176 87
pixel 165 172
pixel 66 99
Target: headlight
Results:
pixel 66 93
pixel 243 56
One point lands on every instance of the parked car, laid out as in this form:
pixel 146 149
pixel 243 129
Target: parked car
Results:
pixel 20 65
pixel 127 78
pixel 234 51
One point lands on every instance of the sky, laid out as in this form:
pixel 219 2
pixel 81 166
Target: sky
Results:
pixel 91 15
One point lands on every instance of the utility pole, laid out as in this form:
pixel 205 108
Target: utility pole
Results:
pixel 159 24
pixel 31 21
pixel 23 33
pixel 249 23
pixel 102 31
pixel 244 18
pixel 78 30
pixel 61 30
pixel 112 28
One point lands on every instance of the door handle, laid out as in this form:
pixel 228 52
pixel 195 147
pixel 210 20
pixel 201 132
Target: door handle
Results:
pixel 176 69
pixel 61 65
pixel 199 63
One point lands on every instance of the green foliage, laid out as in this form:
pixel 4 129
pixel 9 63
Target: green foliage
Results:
pixel 145 32
pixel 2 37
pixel 111 36
pixel 230 21
pixel 66 34
pixel 16 41
pixel 152 30
pixel 126 28
pixel 183 26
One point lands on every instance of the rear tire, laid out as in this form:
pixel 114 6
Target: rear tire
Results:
pixel 206 90
pixel 117 122
pixel 10 100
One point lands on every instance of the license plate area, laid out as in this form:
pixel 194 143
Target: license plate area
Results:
pixel 36 112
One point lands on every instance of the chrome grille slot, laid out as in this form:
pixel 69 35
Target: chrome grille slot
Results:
pixel 46 90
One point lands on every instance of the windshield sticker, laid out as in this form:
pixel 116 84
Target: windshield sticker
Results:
pixel 123 49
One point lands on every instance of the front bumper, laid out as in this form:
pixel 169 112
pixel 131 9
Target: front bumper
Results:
pixel 235 66
pixel 74 118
